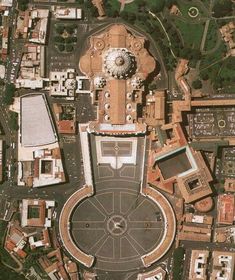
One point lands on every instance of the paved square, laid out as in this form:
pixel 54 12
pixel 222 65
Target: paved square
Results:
pixel 117 226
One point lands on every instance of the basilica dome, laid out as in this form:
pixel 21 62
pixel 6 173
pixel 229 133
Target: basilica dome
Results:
pixel 119 63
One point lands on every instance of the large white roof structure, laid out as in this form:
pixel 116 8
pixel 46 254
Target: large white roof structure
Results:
pixel 6 3
pixel 37 127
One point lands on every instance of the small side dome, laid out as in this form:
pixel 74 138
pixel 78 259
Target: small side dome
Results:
pixel 128 118
pixel 107 94
pixel 99 82
pixel 107 106
pixel 129 106
pixel 136 82
pixel 106 117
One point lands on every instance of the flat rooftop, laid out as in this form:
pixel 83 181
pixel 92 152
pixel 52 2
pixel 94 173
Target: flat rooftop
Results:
pixel 174 164
pixel 36 126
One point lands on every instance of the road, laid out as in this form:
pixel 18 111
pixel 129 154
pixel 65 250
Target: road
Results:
pixel 168 39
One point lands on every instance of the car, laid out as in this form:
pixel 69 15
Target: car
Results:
pixel 13 145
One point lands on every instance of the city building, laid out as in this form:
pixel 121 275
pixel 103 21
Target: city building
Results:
pixel 225 234
pixel 33 24
pixel 223 264
pixel 32 67
pixel 65 118
pixel 195 232
pixel 198 219
pixel 53 265
pixel 39 156
pixel 227 32
pixel 1 160
pixel 6 3
pixel 15 240
pixel 174 161
pixel 72 269
pixel 226 209
pixel 5 36
pixel 229 185
pixel 41 239
pixel 36 213
pixel 154 111
pixel 67 13
pixel 117 63
pixel 199 265
pixel 100 7
pixel 65 84
pixel 158 274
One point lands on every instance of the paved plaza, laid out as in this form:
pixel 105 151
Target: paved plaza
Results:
pixel 117 226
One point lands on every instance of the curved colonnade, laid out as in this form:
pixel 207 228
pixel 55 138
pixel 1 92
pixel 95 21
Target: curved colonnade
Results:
pixel 170 226
pixel 64 226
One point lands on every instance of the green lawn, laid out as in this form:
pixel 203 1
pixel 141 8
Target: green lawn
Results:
pixel 115 4
pixel 132 7
pixel 4 255
pixel 212 36
pixel 34 212
pixel 8 274
pixel 221 73
pixel 227 70
pixel 211 58
pixel 184 7
pixel 192 33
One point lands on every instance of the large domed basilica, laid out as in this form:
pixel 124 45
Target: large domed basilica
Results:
pixel 117 64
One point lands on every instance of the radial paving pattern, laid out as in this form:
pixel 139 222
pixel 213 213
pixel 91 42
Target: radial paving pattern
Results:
pixel 117 226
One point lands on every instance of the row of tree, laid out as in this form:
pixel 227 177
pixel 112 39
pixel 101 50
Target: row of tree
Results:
pixel 223 8
pixel 178 262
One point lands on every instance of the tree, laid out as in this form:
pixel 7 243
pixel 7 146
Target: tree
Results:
pixel 221 190
pixel 152 86
pixel 69 40
pixel 61 47
pixel 60 29
pixel 140 3
pixel 74 39
pixel 189 54
pixel 9 94
pixel 204 76
pixel 93 11
pixel 9 274
pixel 88 4
pixel 59 39
pixel 112 13
pixel 197 84
pixel 80 2
pixel 222 8
pixel 178 258
pixel 13 122
pixel 131 18
pixel 124 15
pixel 23 4
pixel 70 29
pixel 157 6
pixel 69 48
pixel 170 3
pixel 185 53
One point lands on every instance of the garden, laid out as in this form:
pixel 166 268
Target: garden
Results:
pixel 65 37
